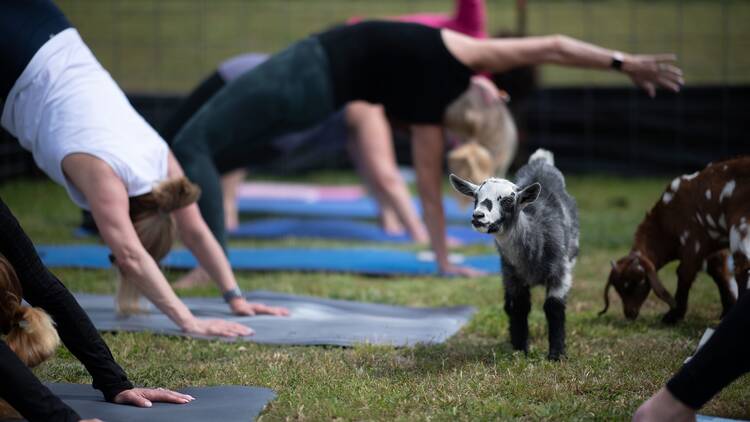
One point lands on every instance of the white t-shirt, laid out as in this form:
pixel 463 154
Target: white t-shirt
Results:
pixel 64 102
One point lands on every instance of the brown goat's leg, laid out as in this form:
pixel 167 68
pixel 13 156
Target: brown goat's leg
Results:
pixel 685 276
pixel 717 268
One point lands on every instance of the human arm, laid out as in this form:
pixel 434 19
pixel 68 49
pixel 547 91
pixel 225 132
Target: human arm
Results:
pixel 372 148
pixel 428 150
pixel 42 289
pixel 109 204
pixel 714 366
pixel 503 54
pixel 26 394
pixel 197 237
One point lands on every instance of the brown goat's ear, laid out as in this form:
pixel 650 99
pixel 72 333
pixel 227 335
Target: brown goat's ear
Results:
pixel 659 289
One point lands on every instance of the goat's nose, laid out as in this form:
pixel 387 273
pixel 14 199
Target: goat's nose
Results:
pixel 477 215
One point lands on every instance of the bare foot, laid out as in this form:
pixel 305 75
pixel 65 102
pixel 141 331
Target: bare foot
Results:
pixel 196 277
pixel 389 222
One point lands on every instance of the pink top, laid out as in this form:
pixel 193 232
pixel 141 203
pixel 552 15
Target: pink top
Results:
pixel 470 18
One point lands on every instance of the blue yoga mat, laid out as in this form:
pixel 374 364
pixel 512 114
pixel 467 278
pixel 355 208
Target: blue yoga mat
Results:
pixel 358 208
pixel 275 228
pixel 352 260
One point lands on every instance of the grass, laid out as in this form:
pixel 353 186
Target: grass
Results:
pixel 170 45
pixel 613 365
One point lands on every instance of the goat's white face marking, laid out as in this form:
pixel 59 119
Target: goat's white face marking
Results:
pixel 708 194
pixel 675 184
pixel 667 197
pixel 489 202
pixel 728 190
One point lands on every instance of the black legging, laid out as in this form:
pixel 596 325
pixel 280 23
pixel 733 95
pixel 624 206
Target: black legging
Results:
pixel 187 109
pixel 18 385
pixel 723 359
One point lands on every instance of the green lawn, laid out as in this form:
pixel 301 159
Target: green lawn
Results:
pixel 613 365
pixel 170 45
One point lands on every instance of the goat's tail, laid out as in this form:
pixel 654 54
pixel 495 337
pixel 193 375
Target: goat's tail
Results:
pixel 543 154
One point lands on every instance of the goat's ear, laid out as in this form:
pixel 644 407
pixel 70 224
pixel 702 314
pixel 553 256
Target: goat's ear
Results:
pixel 463 186
pixel 659 289
pixel 529 194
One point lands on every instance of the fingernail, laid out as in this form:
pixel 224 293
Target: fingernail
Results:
pixel 148 403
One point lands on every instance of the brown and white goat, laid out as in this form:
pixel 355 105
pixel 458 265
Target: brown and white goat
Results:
pixel 697 218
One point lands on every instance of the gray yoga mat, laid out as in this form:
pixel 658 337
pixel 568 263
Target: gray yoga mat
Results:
pixel 229 403
pixel 313 321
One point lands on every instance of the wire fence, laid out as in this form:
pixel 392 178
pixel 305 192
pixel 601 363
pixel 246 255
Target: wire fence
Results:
pixel 163 48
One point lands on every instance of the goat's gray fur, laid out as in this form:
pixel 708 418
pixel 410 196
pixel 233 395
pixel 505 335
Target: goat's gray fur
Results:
pixel 535 225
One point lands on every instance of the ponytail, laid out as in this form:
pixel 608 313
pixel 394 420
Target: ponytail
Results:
pixel 153 222
pixel 29 332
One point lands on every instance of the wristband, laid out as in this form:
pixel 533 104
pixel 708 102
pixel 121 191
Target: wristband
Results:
pixel 232 294
pixel 617 59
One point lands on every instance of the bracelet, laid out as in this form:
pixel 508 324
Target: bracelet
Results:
pixel 617 59
pixel 232 294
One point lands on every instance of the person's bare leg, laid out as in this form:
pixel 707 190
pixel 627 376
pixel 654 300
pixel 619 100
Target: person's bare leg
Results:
pixel 663 406
pixel 373 152
pixel 230 182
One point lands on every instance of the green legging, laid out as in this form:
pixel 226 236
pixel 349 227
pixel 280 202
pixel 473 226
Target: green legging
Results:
pixel 289 92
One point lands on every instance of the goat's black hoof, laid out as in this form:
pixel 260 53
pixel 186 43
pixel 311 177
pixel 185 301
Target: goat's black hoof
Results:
pixel 672 317
pixel 555 355
pixel 520 348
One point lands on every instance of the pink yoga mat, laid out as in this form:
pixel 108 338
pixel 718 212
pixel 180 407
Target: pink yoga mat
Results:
pixel 298 191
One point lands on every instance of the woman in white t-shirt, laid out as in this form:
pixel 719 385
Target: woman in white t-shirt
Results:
pixel 66 109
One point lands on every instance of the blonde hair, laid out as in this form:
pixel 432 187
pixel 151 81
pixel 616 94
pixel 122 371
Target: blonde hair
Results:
pixel 489 133
pixel 29 332
pixel 152 218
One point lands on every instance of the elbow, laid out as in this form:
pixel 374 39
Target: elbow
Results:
pixel 128 260
pixel 557 48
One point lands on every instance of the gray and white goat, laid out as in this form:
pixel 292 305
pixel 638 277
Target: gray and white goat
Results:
pixel 537 236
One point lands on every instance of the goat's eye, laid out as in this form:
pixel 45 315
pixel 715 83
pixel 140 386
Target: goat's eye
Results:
pixel 506 203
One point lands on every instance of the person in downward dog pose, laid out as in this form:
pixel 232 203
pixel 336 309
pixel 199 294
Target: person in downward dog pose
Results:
pixel 30 337
pixel 66 109
pixel 535 225
pixel 415 72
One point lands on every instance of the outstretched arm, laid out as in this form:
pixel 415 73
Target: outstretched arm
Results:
pixel 372 147
pixel 428 152
pixel 109 203
pixel 499 55
pixel 42 289
pixel 201 242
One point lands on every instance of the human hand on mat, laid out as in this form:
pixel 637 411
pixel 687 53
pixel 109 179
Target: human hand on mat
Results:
pixel 144 397
pixel 218 327
pixel 652 71
pixel 242 307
